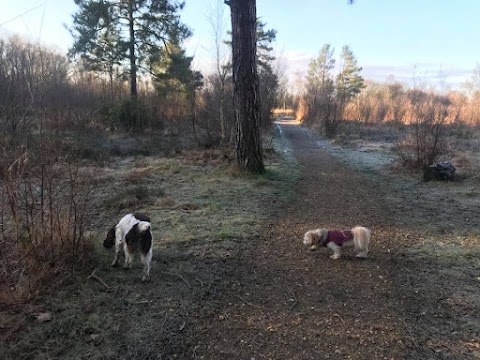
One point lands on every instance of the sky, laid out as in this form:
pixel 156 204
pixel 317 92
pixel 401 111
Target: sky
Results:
pixel 429 42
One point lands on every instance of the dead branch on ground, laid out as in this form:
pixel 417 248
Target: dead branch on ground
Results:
pixel 96 277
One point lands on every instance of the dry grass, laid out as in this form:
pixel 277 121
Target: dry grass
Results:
pixel 201 212
pixel 133 197
pixel 461 147
pixel 44 214
pixel 283 112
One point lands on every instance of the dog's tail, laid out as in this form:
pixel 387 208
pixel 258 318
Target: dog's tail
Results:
pixel 144 226
pixel 361 238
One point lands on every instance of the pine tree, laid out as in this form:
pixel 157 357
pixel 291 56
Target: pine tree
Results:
pixel 248 145
pixel 268 80
pixel 349 81
pixel 319 76
pixel 173 72
pixel 128 32
pixel 264 48
pixel 320 85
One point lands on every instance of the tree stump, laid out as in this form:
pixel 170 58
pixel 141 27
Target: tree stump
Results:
pixel 443 171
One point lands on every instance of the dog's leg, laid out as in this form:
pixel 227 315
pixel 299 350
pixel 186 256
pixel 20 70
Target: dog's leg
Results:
pixel 128 257
pixel 118 247
pixel 128 260
pixel 146 260
pixel 363 254
pixel 336 250
pixel 362 249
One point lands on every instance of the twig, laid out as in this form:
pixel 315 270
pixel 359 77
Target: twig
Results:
pixel 156 315
pixel 180 277
pixel 473 178
pixel 412 337
pixel 195 351
pixel 343 322
pixel 246 302
pixel 137 302
pixel 294 299
pixel 93 276
pixel 8 320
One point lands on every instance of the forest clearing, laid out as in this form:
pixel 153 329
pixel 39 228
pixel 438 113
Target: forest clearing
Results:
pixel 231 279
pixel 228 162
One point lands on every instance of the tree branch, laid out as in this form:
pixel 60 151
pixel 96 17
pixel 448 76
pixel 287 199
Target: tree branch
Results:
pixel 93 276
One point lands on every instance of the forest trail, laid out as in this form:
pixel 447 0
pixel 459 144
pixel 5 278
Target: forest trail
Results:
pixel 290 303
pixel 283 301
pixel 269 297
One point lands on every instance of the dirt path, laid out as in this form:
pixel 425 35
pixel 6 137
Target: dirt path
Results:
pixel 288 303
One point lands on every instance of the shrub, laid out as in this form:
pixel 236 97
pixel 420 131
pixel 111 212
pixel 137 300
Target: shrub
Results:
pixel 43 212
pixel 131 115
pixel 426 134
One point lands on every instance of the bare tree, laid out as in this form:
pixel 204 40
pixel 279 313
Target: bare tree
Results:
pixel 216 17
pixel 428 127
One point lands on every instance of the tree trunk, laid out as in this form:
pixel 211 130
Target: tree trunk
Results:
pixel 246 95
pixel 131 55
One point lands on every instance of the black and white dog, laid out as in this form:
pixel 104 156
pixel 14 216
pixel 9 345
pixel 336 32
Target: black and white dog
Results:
pixel 134 233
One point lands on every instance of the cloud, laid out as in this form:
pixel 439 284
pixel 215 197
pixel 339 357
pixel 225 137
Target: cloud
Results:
pixel 425 74
pixel 420 74
pixel 298 56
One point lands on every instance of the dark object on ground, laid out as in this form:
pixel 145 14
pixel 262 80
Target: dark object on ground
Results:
pixel 444 171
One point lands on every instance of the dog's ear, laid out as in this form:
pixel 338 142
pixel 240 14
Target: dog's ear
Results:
pixel 110 240
pixel 320 236
pixel 324 235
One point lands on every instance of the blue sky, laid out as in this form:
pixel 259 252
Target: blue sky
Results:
pixel 421 39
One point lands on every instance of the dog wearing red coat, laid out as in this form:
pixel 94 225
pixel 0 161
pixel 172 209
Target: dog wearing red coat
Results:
pixel 358 237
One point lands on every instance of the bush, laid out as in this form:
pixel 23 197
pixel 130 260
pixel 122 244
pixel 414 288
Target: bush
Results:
pixel 43 212
pixel 131 115
pixel 426 134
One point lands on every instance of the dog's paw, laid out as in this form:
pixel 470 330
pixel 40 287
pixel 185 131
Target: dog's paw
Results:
pixel 313 247
pixel 115 264
pixel 335 256
pixel 145 278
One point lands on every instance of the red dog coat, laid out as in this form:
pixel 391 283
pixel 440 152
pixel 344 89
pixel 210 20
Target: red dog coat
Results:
pixel 338 237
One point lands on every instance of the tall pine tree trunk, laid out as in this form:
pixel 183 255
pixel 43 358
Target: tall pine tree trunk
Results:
pixel 246 95
pixel 131 54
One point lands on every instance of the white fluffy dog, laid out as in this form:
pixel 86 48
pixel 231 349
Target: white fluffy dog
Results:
pixel 358 237
pixel 133 233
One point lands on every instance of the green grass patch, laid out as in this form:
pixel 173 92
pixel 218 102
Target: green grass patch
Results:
pixel 231 206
